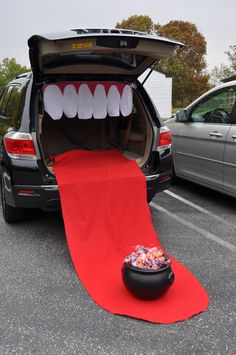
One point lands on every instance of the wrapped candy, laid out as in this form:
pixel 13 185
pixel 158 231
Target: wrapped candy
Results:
pixel 147 258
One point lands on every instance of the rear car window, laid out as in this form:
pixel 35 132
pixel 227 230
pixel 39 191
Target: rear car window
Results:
pixel 11 107
pixel 4 100
pixel 119 59
pixel 14 107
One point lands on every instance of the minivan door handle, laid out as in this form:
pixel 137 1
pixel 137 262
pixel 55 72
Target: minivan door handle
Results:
pixel 216 134
pixel 234 136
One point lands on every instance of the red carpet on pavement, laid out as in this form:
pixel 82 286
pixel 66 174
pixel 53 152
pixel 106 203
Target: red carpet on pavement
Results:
pixel 103 197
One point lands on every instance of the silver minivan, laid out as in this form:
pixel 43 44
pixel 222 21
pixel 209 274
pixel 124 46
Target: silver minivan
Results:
pixel 204 140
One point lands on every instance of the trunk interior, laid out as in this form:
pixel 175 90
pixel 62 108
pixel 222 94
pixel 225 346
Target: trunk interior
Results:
pixel 133 134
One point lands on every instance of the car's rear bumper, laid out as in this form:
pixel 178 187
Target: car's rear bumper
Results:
pixel 46 197
pixel 157 183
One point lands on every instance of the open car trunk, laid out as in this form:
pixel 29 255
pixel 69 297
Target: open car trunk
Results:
pixel 94 116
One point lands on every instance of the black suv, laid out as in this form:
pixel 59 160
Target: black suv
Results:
pixel 83 93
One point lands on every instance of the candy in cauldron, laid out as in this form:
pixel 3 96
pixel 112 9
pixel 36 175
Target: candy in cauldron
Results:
pixel 151 280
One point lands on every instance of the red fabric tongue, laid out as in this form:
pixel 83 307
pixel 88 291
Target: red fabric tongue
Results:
pixel 103 197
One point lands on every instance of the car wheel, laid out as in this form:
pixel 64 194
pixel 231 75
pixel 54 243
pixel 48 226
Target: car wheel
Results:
pixel 11 214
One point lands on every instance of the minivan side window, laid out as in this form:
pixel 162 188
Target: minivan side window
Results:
pixel 216 108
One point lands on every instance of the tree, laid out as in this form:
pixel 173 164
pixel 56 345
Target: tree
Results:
pixel 232 57
pixel 225 71
pixel 138 23
pixel 9 69
pixel 187 66
pixel 219 73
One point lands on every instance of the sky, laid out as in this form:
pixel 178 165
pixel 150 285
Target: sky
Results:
pixel 215 19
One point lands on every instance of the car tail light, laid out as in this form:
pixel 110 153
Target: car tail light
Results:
pixel 165 140
pixel 19 145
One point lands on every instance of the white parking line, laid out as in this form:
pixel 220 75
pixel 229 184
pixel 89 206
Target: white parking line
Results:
pixel 201 209
pixel 199 230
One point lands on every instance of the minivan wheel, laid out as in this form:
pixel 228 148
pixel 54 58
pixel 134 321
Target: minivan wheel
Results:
pixel 173 175
pixel 11 214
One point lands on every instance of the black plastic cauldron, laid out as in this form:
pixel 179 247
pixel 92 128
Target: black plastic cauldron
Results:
pixel 147 284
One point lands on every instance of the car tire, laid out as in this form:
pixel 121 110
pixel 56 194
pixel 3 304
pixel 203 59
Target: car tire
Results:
pixel 173 175
pixel 11 214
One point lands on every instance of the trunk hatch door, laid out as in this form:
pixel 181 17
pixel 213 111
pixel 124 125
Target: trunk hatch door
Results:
pixel 97 52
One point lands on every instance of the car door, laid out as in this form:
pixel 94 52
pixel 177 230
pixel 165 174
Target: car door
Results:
pixel 201 140
pixel 229 168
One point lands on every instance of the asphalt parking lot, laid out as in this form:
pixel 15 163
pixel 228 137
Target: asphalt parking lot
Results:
pixel 45 310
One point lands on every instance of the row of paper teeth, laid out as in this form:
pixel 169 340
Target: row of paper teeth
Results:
pixel 84 105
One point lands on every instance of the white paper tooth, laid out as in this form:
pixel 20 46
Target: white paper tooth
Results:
pixel 85 102
pixel 126 102
pixel 53 101
pixel 113 102
pixel 99 102
pixel 70 101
